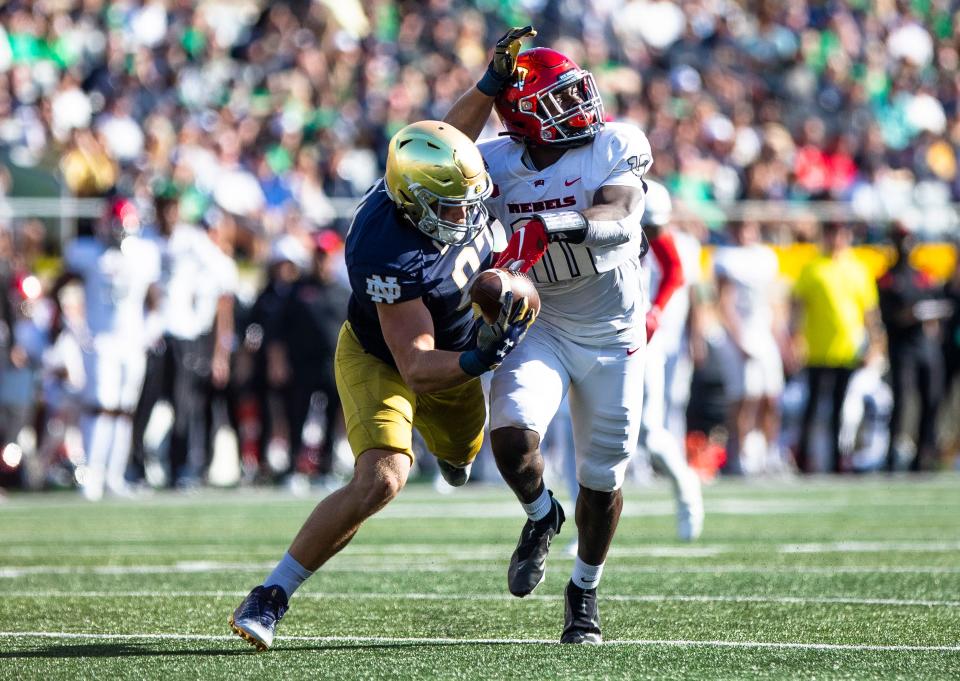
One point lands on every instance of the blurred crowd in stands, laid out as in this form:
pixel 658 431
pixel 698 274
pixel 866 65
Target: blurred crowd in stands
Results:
pixel 231 130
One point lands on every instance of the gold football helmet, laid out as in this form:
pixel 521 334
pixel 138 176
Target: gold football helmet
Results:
pixel 436 176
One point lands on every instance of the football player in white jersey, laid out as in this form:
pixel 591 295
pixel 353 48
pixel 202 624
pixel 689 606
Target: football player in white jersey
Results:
pixel 569 189
pixel 746 272
pixel 118 269
pixel 665 319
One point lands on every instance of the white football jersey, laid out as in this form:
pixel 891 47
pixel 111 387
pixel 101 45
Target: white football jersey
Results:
pixel 753 270
pixel 590 295
pixel 196 274
pixel 115 283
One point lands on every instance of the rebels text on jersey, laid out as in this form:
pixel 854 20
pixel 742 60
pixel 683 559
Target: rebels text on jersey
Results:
pixel 391 261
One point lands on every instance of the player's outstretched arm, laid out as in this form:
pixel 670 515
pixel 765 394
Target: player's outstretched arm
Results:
pixel 470 113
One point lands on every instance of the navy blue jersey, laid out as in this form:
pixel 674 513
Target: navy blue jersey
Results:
pixel 391 261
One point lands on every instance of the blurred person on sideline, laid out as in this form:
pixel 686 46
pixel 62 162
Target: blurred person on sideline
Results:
pixel 911 308
pixel 708 410
pixel 836 320
pixel 951 331
pixel 747 274
pixel 21 347
pixel 10 354
pixel 288 261
pixel 196 318
pixel 951 347
pixel 60 440
pixel 303 350
pixel 119 270
pixel 664 335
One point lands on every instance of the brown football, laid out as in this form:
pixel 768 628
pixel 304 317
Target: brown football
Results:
pixel 487 287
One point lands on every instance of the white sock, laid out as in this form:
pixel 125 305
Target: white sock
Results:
pixel 540 507
pixel 119 454
pixel 97 438
pixel 586 576
pixel 288 575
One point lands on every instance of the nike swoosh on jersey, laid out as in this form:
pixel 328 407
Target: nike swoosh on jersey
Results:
pixel 567 183
pixel 630 352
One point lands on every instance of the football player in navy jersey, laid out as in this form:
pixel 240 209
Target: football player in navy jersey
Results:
pixel 410 352
pixel 570 194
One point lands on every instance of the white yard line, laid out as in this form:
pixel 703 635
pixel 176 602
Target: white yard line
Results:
pixel 872 547
pixel 446 566
pixel 473 551
pixel 495 507
pixel 782 645
pixel 627 598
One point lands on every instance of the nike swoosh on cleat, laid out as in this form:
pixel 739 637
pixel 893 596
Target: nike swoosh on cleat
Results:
pixel 567 183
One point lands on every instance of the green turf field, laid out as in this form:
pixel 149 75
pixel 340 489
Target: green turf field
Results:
pixel 850 579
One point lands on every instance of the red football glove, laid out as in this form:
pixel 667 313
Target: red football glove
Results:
pixel 526 247
pixel 653 321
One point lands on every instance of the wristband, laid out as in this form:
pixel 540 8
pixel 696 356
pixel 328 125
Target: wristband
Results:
pixel 471 363
pixel 568 225
pixel 491 84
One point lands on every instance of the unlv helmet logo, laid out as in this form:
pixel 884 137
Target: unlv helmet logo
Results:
pixel 521 72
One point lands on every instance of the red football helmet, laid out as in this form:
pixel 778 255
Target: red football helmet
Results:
pixel 120 219
pixel 550 101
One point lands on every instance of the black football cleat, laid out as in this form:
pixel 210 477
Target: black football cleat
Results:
pixel 456 476
pixel 581 617
pixel 256 618
pixel 528 562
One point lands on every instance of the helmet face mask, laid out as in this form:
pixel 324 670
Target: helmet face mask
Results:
pixel 569 112
pixel 433 223
pixel 551 102
pixel 437 179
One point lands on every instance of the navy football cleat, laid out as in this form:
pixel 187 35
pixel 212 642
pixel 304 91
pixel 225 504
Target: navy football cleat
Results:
pixel 528 562
pixel 581 617
pixel 256 618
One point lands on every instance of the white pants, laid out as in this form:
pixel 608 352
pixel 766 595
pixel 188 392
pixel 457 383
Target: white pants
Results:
pixel 114 373
pixel 754 376
pixel 605 394
pixel 666 453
